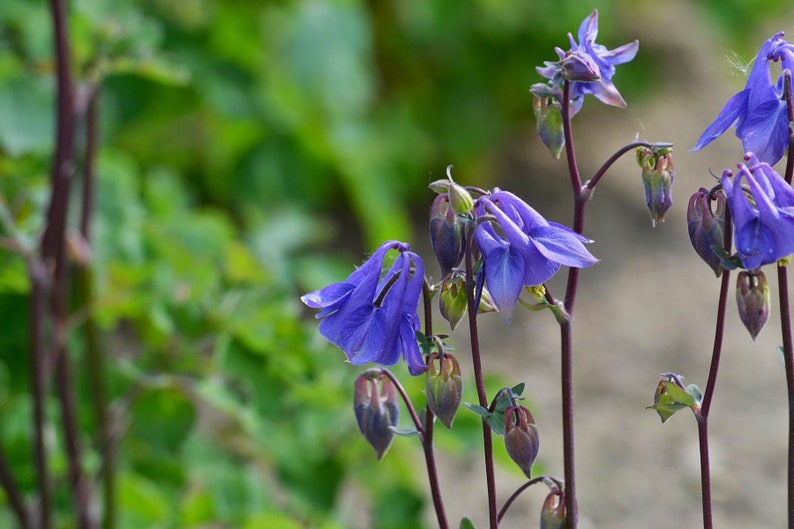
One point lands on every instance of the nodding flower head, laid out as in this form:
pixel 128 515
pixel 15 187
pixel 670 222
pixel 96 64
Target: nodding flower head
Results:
pixel 372 315
pixel 520 248
pixel 758 111
pixel 761 204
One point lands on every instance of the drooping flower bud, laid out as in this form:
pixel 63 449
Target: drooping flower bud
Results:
pixel 446 234
pixel 548 118
pixel 706 226
pixel 658 174
pixel 521 437
pixel 376 408
pixel 444 387
pixel 552 514
pixel 578 66
pixel 452 302
pixel 752 299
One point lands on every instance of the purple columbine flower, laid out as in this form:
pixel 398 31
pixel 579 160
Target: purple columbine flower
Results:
pixel 759 111
pixel 526 250
pixel 762 213
pixel 606 60
pixel 372 316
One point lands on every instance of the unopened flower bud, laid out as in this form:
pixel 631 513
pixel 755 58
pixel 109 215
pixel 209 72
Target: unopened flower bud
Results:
pixel 452 302
pixel 444 387
pixel 549 124
pixel 521 437
pixel 552 514
pixel 658 174
pixel 446 234
pixel 752 299
pixel 376 409
pixel 706 226
pixel 578 66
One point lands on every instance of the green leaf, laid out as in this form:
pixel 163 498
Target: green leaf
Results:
pixel 479 410
pixel 466 524
pixel 405 432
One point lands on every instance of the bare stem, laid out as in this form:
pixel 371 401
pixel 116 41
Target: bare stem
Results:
pixel 518 492
pixel 482 397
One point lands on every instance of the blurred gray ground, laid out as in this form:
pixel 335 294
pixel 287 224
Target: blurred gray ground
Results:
pixel 648 307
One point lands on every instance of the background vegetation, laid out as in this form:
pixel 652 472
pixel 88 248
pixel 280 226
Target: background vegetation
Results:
pixel 250 151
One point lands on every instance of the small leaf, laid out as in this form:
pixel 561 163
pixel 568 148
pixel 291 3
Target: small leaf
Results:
pixel 405 432
pixel 518 389
pixel 479 410
pixel 466 524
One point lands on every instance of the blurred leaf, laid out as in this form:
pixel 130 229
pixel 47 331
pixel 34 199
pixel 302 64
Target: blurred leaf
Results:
pixel 466 524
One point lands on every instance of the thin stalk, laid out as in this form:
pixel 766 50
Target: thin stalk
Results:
pixel 39 375
pixel 490 478
pixel 702 414
pixel 785 314
pixel 566 331
pixel 517 493
pixel 427 435
pixel 94 359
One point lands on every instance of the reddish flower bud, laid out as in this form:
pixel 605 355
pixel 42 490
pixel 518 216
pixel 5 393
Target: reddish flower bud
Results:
pixel 552 514
pixel 706 226
pixel 376 409
pixel 752 299
pixel 521 437
pixel 443 387
pixel 446 234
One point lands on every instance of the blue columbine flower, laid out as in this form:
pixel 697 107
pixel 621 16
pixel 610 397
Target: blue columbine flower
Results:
pixel 762 213
pixel 605 60
pixel 759 111
pixel 372 316
pixel 526 250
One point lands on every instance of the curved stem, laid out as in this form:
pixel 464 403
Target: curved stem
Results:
pixel 482 397
pixel 590 185
pixel 408 404
pixel 517 493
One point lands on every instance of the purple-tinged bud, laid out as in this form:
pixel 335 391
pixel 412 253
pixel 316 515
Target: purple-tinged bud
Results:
pixel 658 174
pixel 706 226
pixel 376 409
pixel 548 118
pixel 521 437
pixel 443 387
pixel 578 66
pixel 446 234
pixel 752 298
pixel 552 514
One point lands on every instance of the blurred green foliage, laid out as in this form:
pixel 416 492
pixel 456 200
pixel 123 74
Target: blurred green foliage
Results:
pixel 240 141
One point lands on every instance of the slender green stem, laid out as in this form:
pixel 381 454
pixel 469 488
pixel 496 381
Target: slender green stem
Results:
pixel 490 477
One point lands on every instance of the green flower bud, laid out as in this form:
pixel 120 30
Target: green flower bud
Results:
pixel 376 408
pixel 443 387
pixel 521 437
pixel 752 299
pixel 658 174
pixel 552 514
pixel 452 302
pixel 548 116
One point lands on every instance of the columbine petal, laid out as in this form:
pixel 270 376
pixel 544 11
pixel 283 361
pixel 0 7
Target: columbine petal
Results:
pixel 562 245
pixel 735 107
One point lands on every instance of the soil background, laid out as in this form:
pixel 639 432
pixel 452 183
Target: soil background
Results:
pixel 647 308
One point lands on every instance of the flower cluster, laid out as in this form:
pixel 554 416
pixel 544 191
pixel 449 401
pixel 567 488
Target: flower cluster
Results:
pixel 758 111
pixel 761 204
pixel 372 316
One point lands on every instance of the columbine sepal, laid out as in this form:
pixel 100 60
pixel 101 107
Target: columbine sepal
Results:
pixel 752 299
pixel 376 408
pixel 521 438
pixel 706 224
pixel 671 395
pixel 552 513
pixel 548 117
pixel 443 387
pixel 446 234
pixel 658 174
